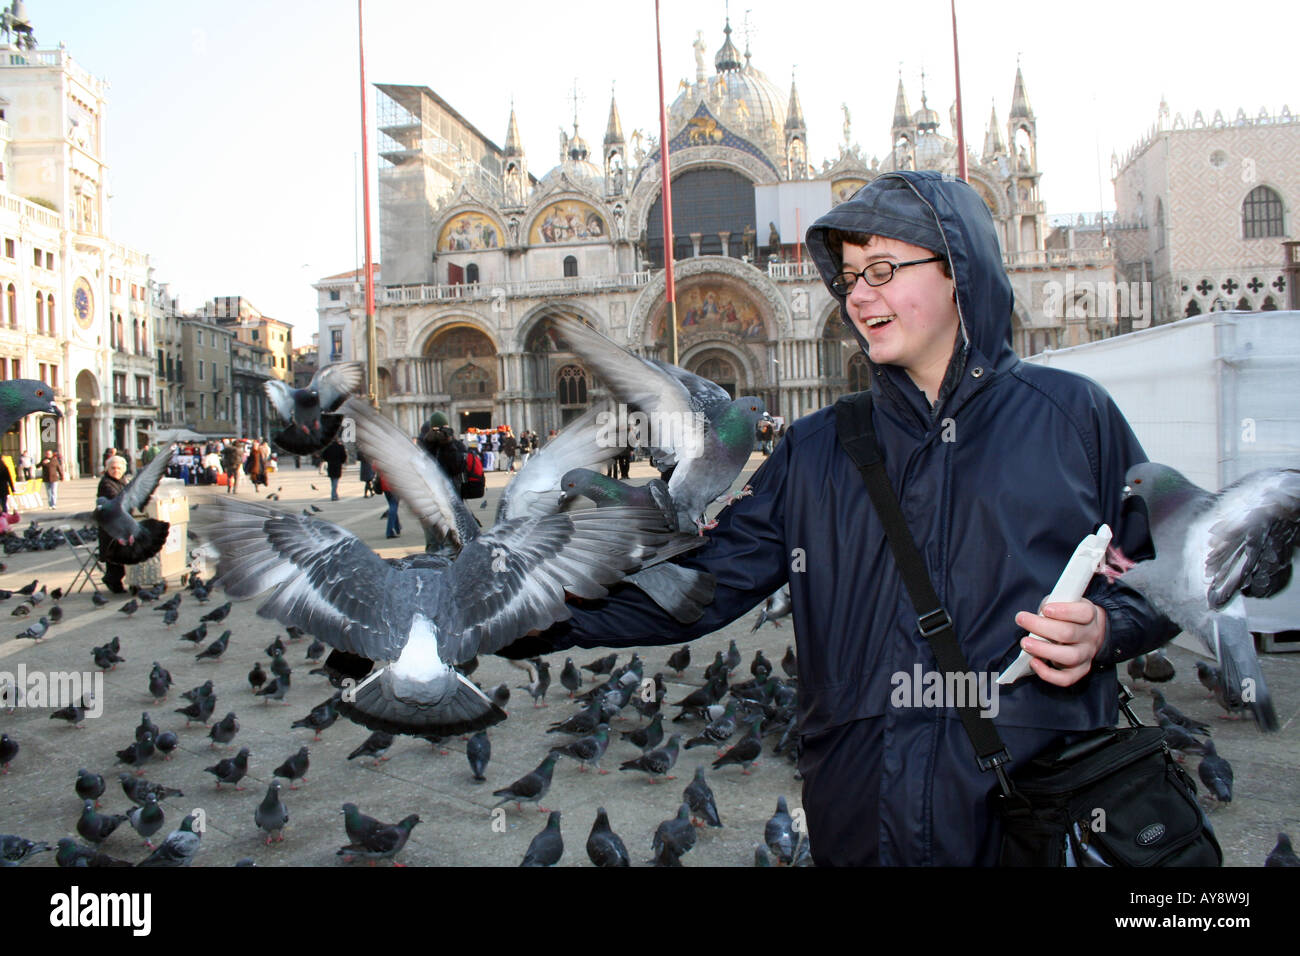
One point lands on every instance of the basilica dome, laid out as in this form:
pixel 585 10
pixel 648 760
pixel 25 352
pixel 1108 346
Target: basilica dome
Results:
pixel 577 167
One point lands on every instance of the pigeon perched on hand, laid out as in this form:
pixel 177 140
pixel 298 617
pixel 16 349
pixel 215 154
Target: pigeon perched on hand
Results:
pixel 1210 550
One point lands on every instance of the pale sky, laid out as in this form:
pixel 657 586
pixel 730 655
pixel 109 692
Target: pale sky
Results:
pixel 233 129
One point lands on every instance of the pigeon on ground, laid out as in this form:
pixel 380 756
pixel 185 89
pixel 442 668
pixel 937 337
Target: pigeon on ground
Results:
pixel 218 615
pixel 160 681
pixel 257 676
pixel 15 850
pixel 777 606
pixel 1210 550
pixel 89 786
pixel 295 633
pixel 422 621
pixel 295 767
pixel 779 833
pixel 74 714
pixel 1282 853
pixel 656 763
pixel 275 689
pixel 1181 740
pixel 760 666
pixel 146 726
pixel 98 599
pixel 601 665
pixel 199 710
pixel 37 631
pixel 8 751
pixel 279 666
pixel 478 751
pixel 96 828
pixel 56 614
pixel 673 838
pixel 717 732
pixel 137 753
pixel 308 413
pixel 316 650
pixel 224 730
pixel 501 695
pixel 1216 774
pixel 376 745
pixel 165 743
pixel 530 788
pixel 214 650
pixel 680 659
pixel 170 618
pixel 604 848
pixel 201 692
pixel 746 752
pixel 20 397
pixel 699 797
pixel 705 434
pixel 171 604
pixel 582 723
pixel 196 636
pixel 178 849
pixel 548 846
pixel 146 820
pixel 570 677
pixel 271 814
pixel 540 683
pixel 22 610
pixel 322 716
pixel 382 841
pixel 1157 668
pixel 27 590
pixel 138 788
pixel 71 854
pixel 1165 711
pixel 132 541
pixel 587 750
pixel 648 737
pixel 230 770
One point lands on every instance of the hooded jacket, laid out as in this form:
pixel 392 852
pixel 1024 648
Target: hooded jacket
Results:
pixel 998 483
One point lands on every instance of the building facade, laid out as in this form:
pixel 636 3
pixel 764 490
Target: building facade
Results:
pixel 207 358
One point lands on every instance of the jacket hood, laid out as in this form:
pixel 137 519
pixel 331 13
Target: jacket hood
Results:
pixel 984 297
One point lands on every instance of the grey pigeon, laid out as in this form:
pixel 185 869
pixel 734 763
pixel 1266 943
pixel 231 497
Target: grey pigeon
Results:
pixel 587 750
pixel 1165 711
pixel 746 751
pixel 295 767
pixel 777 606
pixel 656 763
pixel 420 622
pixel 94 827
pixel 214 650
pixel 178 849
pixel 570 677
pixel 1282 853
pixel 1157 668
pixel 1181 740
pixel 8 751
pixel 230 770
pixel 530 788
pixel 71 854
pixel 705 436
pixel 321 717
pixel 137 789
pixel 166 742
pixel 307 412
pixel 16 850
pixel 376 745
pixel 1210 550
pixel 673 838
pixel 146 820
pixel 218 615
pixel 716 732
pixel 20 397
pixel 257 676
pixel 113 515
pixel 548 846
pixel 478 751
pixel 89 786
pixel 779 833
pixel 198 635
pixel 271 814
pixel 538 686
pixel 224 730
pixel 160 681
pixel 604 848
pixel 382 841
pixel 1216 774
pixel 146 726
pixel 699 797
pixel 36 632
pixel 680 659
pixel 648 737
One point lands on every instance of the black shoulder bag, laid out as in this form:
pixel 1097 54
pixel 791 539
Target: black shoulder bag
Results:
pixel 1116 797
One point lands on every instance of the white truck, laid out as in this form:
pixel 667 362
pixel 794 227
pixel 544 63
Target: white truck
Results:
pixel 1216 396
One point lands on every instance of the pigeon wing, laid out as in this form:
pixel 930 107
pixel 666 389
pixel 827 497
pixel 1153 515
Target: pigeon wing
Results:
pixel 137 492
pixel 1254 540
pixel 281 396
pixel 322 577
pixel 336 382
pixel 583 443
pixel 413 475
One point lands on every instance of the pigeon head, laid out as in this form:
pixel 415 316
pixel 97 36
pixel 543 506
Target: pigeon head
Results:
pixel 1160 487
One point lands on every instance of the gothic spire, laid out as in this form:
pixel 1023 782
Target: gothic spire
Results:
pixel 993 136
pixel 794 114
pixel 1020 99
pixel 902 113
pixel 514 147
pixel 728 57
pixel 614 128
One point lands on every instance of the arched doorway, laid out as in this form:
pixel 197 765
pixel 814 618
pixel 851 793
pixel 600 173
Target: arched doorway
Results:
pixel 88 450
pixel 720 368
pixel 465 363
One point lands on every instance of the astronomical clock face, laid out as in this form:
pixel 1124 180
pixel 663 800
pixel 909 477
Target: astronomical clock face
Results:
pixel 83 302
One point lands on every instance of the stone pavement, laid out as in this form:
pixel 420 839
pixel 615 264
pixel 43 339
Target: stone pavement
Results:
pixel 458 827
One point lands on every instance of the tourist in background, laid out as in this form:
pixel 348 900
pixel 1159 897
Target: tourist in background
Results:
pixel 51 474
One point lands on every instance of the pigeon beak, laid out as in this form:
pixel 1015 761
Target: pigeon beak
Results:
pixel 1128 491
pixel 54 410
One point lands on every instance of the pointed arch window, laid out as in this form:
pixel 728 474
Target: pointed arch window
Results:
pixel 570 267
pixel 571 386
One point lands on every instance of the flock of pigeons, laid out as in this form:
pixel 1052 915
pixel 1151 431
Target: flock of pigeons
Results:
pixel 405 634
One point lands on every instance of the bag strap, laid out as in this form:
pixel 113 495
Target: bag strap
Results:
pixel 857 435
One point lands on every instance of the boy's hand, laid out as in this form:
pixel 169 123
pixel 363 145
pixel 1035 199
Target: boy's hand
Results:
pixel 1075 632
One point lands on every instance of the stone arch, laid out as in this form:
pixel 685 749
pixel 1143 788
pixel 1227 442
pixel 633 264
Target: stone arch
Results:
pixel 685 160
pixel 762 287
pixel 738 355
pixel 445 217
pixel 435 326
pixel 530 320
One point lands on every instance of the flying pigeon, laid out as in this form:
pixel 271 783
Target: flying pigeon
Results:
pixel 705 436
pixel 420 622
pixel 178 849
pixel 271 814
pixel 132 541
pixel 777 606
pixel 20 397
pixel 1210 550
pixel 230 770
pixel 308 412
pixel 604 848
pixel 548 846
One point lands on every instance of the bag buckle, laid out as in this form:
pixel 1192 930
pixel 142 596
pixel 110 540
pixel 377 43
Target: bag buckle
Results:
pixel 995 762
pixel 933 622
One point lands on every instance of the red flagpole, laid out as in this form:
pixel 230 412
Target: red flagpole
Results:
pixel 670 284
pixel 372 360
pixel 961 129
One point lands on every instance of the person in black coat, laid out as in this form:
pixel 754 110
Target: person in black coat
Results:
pixel 335 457
pixel 110 486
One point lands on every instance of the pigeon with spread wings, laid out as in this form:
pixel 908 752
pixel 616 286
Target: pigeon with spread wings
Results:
pixel 421 621
pixel 308 412
pixel 132 541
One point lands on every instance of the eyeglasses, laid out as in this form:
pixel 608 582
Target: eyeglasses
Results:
pixel 877 273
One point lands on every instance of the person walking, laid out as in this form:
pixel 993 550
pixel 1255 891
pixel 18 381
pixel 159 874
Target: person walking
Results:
pixel 335 456
pixel 26 464
pixel 232 460
pixel 257 465
pixel 394 520
pixel 51 474
pixel 6 487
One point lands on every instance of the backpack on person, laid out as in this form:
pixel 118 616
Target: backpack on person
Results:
pixel 475 483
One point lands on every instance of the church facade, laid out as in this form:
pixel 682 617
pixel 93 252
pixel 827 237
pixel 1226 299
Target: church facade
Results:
pixel 477 252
